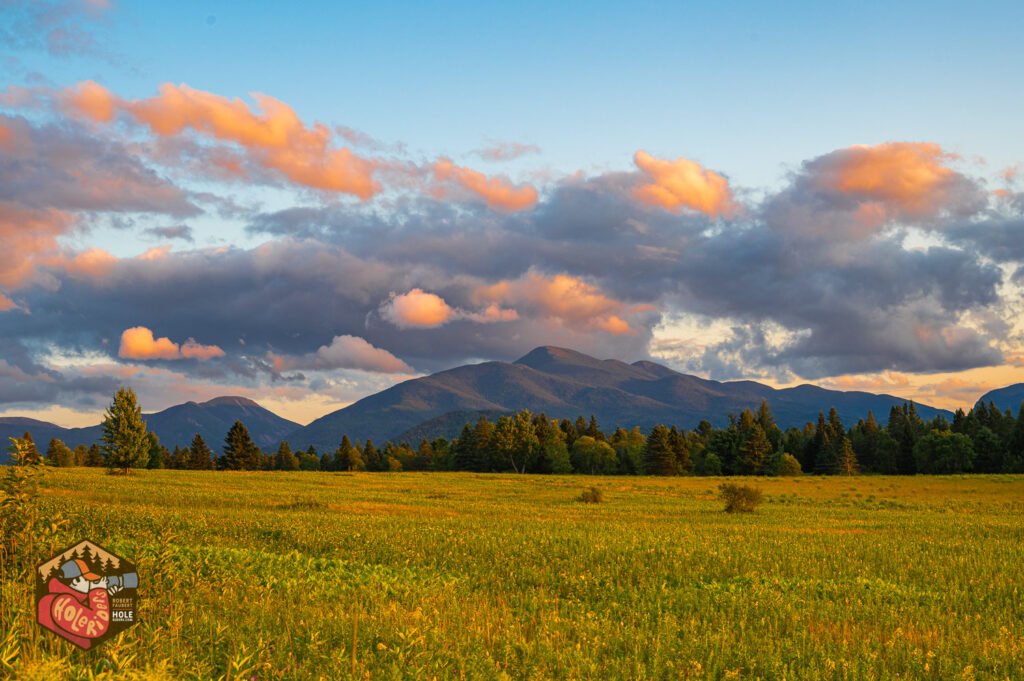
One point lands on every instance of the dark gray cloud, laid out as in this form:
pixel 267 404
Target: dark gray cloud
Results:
pixel 183 232
pixel 812 281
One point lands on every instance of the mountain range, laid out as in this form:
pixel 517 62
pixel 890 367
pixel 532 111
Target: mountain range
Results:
pixel 560 382
pixel 175 425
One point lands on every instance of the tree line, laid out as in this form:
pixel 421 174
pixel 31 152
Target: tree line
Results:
pixel 983 440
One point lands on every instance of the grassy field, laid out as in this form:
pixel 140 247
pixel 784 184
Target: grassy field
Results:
pixel 462 576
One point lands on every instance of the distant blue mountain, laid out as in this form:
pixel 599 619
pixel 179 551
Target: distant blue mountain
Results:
pixel 564 384
pixel 175 425
pixel 1009 397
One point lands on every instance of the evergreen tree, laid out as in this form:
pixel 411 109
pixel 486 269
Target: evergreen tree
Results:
pixel 847 458
pixel 754 451
pixel 284 460
pixel 659 459
pixel 483 435
pixel 124 433
pixel 424 457
pixel 155 460
pixel 200 456
pixel 178 459
pixel 309 460
pixel 465 450
pixel 95 457
pixel 569 430
pixel 240 452
pixel 372 457
pixel 681 451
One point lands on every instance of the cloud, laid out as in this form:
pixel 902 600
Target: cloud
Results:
pixel 568 299
pixel 682 183
pixel 273 136
pixel 910 180
pixel 56 180
pixel 138 343
pixel 183 232
pixel 417 308
pixel 497 192
pixel 506 151
pixel 344 352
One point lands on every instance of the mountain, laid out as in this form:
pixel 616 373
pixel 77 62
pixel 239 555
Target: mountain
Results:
pixel 564 383
pixel 1009 397
pixel 175 425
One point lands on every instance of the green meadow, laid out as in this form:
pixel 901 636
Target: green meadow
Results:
pixel 471 576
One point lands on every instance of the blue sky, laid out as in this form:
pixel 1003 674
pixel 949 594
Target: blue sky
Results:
pixel 748 114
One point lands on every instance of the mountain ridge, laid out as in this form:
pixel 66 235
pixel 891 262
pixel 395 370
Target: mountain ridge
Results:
pixel 564 383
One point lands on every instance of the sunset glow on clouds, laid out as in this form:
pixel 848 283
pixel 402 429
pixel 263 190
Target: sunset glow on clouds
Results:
pixel 138 343
pixel 339 225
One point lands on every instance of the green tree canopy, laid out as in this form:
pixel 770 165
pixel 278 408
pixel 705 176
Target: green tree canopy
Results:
pixel 125 445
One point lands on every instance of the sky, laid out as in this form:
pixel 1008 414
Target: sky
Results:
pixel 305 206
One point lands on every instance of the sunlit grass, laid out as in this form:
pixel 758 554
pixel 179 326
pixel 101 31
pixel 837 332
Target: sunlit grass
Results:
pixel 450 576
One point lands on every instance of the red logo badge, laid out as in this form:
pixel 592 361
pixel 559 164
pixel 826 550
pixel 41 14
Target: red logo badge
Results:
pixel 86 594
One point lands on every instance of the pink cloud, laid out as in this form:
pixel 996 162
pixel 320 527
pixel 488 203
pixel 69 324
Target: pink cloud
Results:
pixel 675 185
pixel 138 343
pixel 497 192
pixel 344 352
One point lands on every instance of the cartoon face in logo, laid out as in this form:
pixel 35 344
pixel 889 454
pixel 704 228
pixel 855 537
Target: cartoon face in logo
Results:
pixel 86 594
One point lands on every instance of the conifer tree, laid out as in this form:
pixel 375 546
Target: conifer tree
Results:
pixel 240 452
pixel 285 460
pixel 465 450
pixel 32 454
pixel 124 433
pixel 200 456
pixel 754 451
pixel 372 457
pixel 659 459
pixel 94 459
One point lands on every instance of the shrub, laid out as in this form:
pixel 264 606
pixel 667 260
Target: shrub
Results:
pixel 591 496
pixel 712 465
pixel 789 465
pixel 739 498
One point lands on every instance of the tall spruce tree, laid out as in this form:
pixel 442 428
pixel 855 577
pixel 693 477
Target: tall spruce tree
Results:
pixel 240 452
pixel 200 457
pixel 124 433
pixel 659 459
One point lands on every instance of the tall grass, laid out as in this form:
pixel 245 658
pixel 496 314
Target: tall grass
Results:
pixel 461 576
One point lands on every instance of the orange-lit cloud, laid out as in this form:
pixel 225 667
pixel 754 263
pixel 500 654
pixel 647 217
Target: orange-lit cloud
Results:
pixel 417 308
pixel 495 191
pixel 7 304
pixel 911 178
pixel 89 100
pixel 421 309
pixel 26 234
pixel 138 343
pixel 6 138
pixel 344 352
pixel 569 300
pixel 679 184
pixel 274 138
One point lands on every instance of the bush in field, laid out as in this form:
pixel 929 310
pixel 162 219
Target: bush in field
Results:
pixel 789 465
pixel 591 496
pixel 739 498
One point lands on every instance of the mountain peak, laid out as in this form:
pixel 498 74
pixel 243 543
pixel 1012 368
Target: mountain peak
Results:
pixel 545 355
pixel 229 400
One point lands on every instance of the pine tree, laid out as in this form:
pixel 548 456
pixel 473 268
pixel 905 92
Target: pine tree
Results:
pixel 754 451
pixel 285 460
pixel 847 458
pixel 372 457
pixel 153 447
pixel 124 433
pixel 94 459
pixel 240 453
pixel 465 450
pixel 659 459
pixel 200 456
